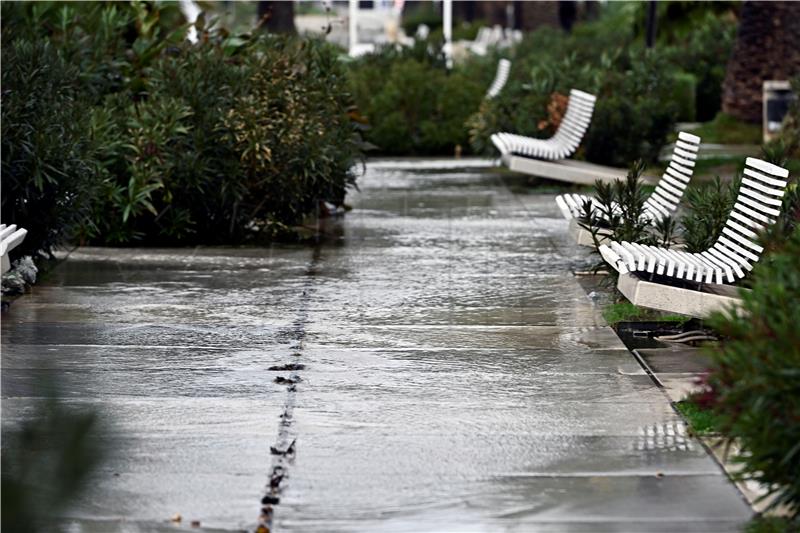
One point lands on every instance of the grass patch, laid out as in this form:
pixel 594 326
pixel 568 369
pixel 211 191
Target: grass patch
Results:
pixel 725 129
pixel 627 312
pixel 701 421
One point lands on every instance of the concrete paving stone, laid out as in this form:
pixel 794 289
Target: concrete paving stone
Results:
pixel 598 503
pixel 458 378
pixel 676 359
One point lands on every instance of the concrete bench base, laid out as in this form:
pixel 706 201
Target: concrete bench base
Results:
pixel 676 299
pixel 567 170
pixel 583 237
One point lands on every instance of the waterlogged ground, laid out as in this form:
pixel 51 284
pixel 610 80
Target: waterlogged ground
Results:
pixel 456 378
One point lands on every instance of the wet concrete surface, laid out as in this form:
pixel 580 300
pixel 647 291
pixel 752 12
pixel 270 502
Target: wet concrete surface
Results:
pixel 457 378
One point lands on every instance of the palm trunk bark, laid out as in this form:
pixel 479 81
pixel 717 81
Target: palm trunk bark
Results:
pixel 767 48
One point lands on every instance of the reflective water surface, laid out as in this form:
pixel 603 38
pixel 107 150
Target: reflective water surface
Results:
pixel 456 377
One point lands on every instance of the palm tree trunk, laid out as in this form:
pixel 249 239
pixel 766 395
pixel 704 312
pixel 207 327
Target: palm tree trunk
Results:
pixel 277 17
pixel 767 48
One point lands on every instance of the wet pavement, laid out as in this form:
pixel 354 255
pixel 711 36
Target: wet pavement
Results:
pixel 456 377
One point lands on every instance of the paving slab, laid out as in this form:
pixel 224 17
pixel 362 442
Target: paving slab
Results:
pixel 457 377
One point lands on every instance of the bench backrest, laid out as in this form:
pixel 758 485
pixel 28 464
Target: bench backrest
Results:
pixel 500 78
pixel 669 191
pixel 576 120
pixel 758 203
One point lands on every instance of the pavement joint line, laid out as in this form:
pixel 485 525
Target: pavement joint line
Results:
pixel 634 474
pixel 284 449
pixel 647 369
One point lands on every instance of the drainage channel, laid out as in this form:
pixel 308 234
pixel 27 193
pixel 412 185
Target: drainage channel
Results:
pixel 285 447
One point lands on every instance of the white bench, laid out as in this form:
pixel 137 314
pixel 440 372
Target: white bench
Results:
pixel 10 238
pixel 758 201
pixel 662 202
pixel 566 140
pixel 500 78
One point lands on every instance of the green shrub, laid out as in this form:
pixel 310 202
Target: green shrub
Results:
pixel 708 208
pixel 703 49
pixel 51 177
pixel 118 130
pixel 222 150
pixel 684 95
pixel 756 375
pixel 618 212
pixel 725 129
pixel 412 103
pixel 423 13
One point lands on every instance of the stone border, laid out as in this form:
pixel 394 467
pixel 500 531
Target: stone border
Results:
pixel 568 170
pixel 662 297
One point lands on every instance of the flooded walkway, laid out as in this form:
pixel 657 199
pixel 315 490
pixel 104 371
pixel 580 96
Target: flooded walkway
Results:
pixel 456 378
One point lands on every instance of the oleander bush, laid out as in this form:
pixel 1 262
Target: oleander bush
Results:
pixel 412 103
pixel 702 50
pixel 755 375
pixel 50 166
pixel 618 209
pixel 708 206
pixel 116 130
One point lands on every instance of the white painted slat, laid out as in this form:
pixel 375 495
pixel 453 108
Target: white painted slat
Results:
pixel 732 265
pixel 766 179
pixel 677 175
pixel 688 137
pixel 733 255
pixel 738 249
pixel 661 202
pixel 760 197
pixel 721 265
pixel 681 169
pixel 758 206
pixel 671 189
pixel 658 209
pixel 678 185
pixel 741 207
pixel 744 241
pixel 687 146
pixel 763 188
pixel 646 261
pixel 688 163
pixel 628 258
pixel 8 230
pixel 769 168
pixel 665 198
pixel 741 229
pixel 746 220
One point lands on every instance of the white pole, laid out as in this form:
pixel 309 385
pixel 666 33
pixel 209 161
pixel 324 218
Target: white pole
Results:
pixel 353 26
pixel 447 22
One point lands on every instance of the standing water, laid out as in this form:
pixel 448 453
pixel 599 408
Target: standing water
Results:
pixel 438 368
